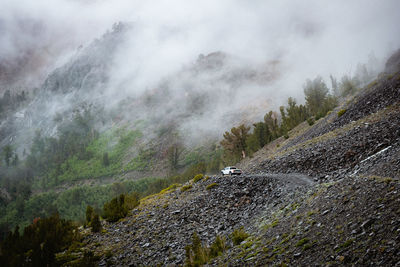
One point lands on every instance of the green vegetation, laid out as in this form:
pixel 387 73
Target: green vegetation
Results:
pixel 95 223
pixel 115 209
pixel 72 203
pixel 38 243
pixel 234 142
pixel 346 244
pixel 186 187
pixel 341 112
pixel 210 186
pixel 349 85
pixel 301 242
pixel 197 178
pixel 238 236
pixel 119 206
pixel 89 214
pixel 243 140
pixel 272 225
pixel 101 163
pixel 197 254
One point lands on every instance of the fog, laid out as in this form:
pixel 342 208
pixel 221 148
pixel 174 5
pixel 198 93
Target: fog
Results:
pixel 288 41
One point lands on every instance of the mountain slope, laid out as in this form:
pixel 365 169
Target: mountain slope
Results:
pixel 338 202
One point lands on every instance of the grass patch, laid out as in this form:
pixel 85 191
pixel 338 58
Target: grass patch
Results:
pixel 341 112
pixel 197 178
pixel 186 187
pixel 346 244
pixel 211 186
pixel 238 236
pixel 272 225
pixel 302 242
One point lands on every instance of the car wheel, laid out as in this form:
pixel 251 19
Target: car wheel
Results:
pixel 230 173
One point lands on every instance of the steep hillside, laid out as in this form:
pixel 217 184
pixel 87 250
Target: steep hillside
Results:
pixel 90 129
pixel 333 199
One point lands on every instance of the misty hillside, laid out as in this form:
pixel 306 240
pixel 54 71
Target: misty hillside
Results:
pixel 116 120
pixel 77 130
pixel 341 210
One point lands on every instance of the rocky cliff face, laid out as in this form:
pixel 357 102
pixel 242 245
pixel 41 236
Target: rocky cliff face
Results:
pixel 341 209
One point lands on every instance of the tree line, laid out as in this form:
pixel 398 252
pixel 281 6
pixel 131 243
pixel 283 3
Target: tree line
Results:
pixel 244 140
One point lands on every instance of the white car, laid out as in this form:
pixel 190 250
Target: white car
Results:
pixel 231 171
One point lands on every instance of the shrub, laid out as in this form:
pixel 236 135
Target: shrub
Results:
pixel 96 224
pixel 132 200
pixel 89 214
pixel 238 236
pixel 210 186
pixel 320 115
pixel 169 188
pixel 197 178
pixel 218 247
pixel 341 112
pixel 310 121
pixel 186 187
pixel 197 254
pixel 115 209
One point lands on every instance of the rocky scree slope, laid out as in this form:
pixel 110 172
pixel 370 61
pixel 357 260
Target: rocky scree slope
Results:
pixel 364 138
pixel 159 229
pixel 347 222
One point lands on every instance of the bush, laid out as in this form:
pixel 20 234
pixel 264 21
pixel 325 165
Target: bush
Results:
pixel 96 224
pixel 310 121
pixel 210 186
pixel 89 214
pixel 238 236
pixel 115 209
pixel 186 187
pixel 341 112
pixel 132 200
pixel 218 247
pixel 197 254
pixel 319 115
pixel 197 178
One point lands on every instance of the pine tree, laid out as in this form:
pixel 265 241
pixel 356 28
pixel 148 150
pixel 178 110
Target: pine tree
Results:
pixel 96 224
pixel 235 141
pixel 89 214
